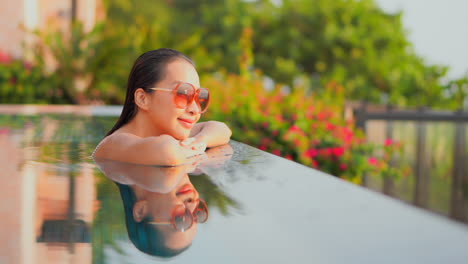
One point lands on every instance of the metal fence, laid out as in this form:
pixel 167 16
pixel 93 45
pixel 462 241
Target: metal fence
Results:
pixel 459 189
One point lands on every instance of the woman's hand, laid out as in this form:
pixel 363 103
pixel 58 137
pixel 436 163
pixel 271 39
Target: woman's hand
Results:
pixel 196 144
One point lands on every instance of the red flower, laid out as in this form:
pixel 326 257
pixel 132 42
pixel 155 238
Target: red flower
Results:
pixel 315 164
pixel 5 58
pixel 289 157
pixel 348 138
pixel 277 152
pixel 388 142
pixel 338 151
pixel 322 115
pixel 311 153
pixel 294 128
pixel 262 147
pixel 330 126
pixel 373 161
pixel 343 166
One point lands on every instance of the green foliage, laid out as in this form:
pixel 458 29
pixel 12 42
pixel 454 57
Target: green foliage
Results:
pixel 457 93
pixel 351 42
pixel 24 83
pixel 298 126
pixel 78 58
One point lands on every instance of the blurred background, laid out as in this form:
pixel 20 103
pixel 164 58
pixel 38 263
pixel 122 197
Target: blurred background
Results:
pixel 370 91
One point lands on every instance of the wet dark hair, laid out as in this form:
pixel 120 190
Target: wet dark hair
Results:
pixel 144 236
pixel 148 69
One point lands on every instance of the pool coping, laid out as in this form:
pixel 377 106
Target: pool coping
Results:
pixel 83 110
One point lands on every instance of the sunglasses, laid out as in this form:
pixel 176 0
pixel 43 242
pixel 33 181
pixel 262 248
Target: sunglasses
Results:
pixel 185 93
pixel 182 219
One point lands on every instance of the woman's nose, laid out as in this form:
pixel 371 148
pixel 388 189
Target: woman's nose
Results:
pixel 191 205
pixel 193 108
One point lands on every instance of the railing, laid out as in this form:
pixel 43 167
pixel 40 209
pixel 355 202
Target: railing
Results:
pixel 459 188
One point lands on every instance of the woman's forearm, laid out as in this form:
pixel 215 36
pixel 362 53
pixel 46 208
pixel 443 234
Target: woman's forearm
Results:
pixel 213 133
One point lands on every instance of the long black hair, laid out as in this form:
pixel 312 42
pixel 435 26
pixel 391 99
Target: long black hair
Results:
pixel 144 236
pixel 148 69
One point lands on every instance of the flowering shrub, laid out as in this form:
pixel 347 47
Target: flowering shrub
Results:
pixel 299 125
pixel 23 82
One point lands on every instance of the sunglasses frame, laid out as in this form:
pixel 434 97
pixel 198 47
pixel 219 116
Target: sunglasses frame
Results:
pixel 195 95
pixel 193 216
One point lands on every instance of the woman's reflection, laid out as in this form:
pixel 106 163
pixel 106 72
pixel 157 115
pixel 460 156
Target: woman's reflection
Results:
pixel 162 207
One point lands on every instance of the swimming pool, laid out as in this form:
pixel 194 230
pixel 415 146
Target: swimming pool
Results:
pixel 58 207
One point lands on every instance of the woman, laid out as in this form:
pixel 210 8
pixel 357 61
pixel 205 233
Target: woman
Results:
pixel 158 124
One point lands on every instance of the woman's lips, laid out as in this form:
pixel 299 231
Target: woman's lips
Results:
pixel 187 188
pixel 187 123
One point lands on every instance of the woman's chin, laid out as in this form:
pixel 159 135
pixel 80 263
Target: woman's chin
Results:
pixel 181 135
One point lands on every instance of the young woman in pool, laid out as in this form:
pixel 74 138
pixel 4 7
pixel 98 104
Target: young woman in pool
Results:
pixel 158 124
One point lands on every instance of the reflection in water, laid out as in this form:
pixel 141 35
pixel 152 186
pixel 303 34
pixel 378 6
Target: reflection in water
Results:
pixel 152 195
pixel 162 207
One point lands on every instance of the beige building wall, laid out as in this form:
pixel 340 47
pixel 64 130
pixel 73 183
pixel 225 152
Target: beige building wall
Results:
pixel 11 17
pixel 18 18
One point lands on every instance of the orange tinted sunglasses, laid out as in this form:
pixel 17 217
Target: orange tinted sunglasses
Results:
pixel 182 219
pixel 185 93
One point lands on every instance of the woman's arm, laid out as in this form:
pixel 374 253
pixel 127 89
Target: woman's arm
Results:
pixel 212 133
pixel 161 150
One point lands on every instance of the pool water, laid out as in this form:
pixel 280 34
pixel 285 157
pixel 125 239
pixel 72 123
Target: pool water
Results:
pixel 59 207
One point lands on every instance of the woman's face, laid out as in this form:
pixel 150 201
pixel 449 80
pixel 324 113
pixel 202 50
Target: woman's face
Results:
pixel 161 206
pixel 167 118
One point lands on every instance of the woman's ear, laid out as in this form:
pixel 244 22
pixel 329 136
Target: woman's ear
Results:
pixel 140 210
pixel 141 99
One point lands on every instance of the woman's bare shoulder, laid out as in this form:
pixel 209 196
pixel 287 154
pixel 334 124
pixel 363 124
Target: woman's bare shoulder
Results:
pixel 112 145
pixel 127 147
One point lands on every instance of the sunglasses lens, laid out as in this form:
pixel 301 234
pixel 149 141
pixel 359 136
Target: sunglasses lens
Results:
pixel 184 95
pixel 203 98
pixel 182 220
pixel 201 212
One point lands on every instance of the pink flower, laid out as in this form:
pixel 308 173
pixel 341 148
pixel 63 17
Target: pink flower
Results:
pixel 330 126
pixel 338 151
pixel 348 138
pixel 5 58
pixel 321 116
pixel 388 142
pixel 294 128
pixel 373 161
pixel 343 166
pixel 277 152
pixel 311 153
pixel 315 164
